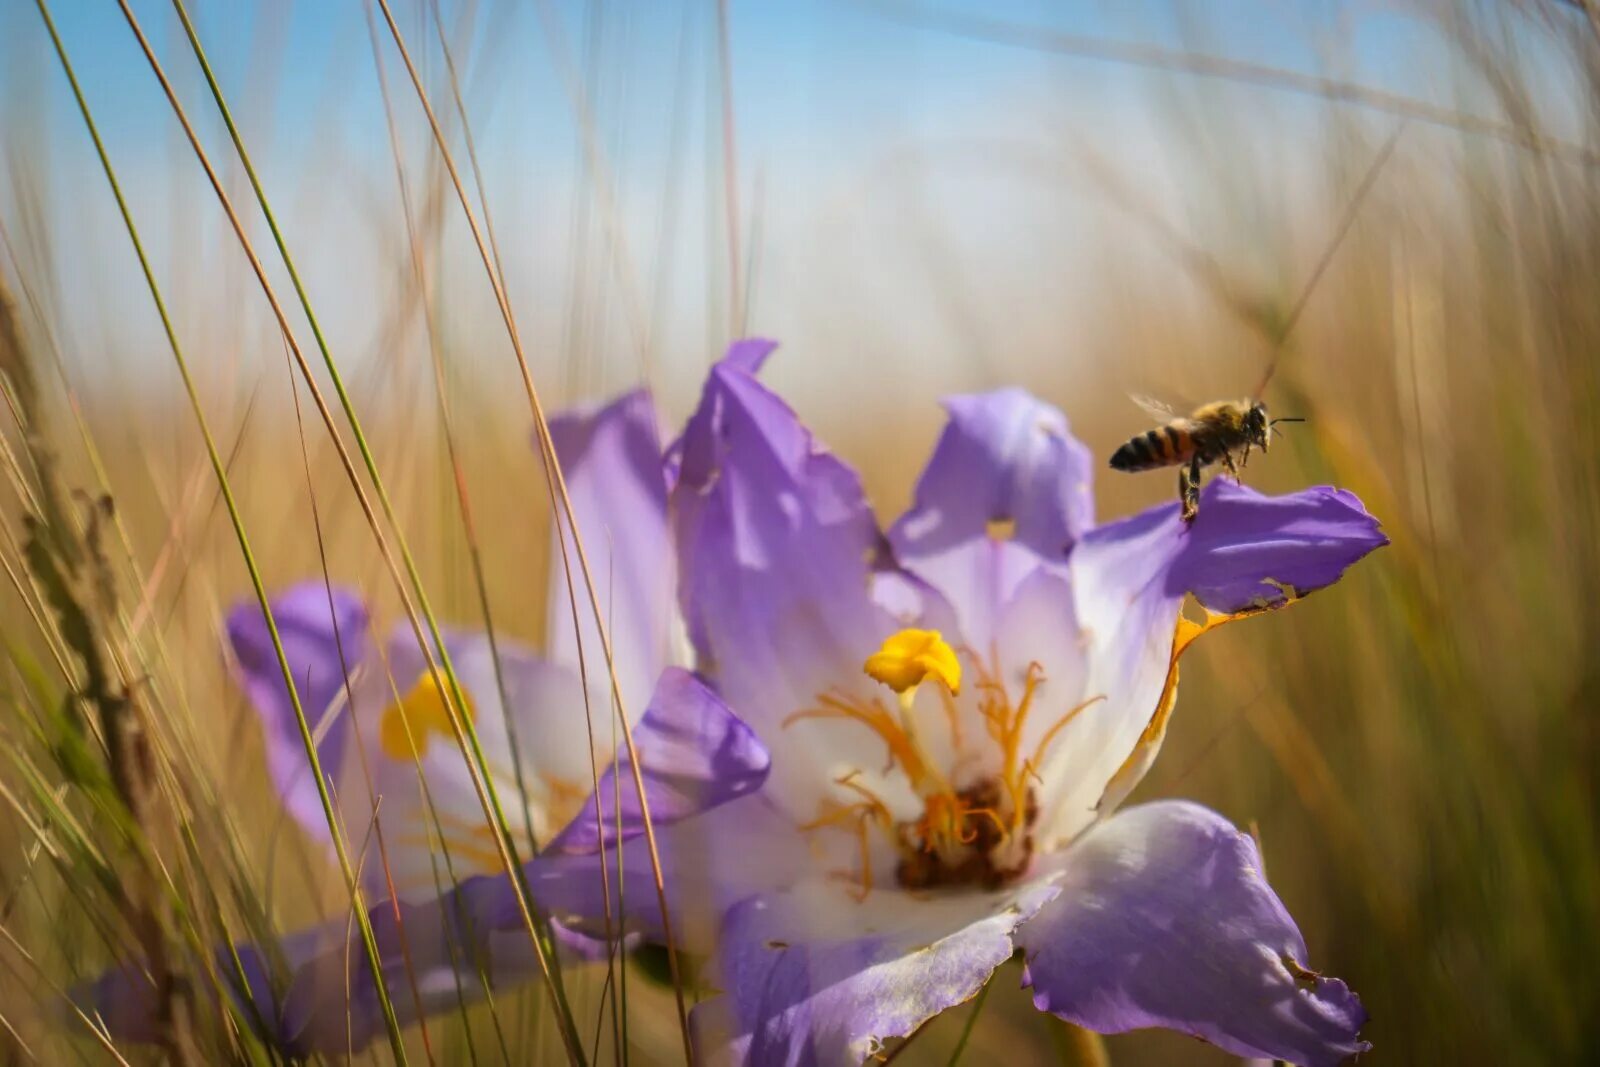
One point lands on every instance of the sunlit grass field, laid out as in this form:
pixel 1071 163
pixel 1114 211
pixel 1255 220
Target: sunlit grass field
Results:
pixel 1415 749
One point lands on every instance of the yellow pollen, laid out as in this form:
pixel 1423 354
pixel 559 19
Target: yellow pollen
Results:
pixel 909 656
pixel 409 722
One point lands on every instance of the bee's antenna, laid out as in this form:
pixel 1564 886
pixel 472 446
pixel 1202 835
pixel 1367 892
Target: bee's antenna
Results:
pixel 1273 425
pixel 1345 224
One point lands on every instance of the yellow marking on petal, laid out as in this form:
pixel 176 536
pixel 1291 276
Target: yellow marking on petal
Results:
pixel 1155 731
pixel 909 656
pixel 408 724
pixel 471 846
pixel 1001 529
pixel 565 799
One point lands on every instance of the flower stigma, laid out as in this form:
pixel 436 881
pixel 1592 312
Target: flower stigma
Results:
pixel 975 829
pixel 909 656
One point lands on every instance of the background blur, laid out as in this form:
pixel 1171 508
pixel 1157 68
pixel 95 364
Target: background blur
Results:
pixel 1399 201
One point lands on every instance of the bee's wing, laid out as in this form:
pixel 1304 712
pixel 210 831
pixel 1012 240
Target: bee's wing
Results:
pixel 1156 409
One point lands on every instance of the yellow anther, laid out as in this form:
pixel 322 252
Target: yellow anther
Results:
pixel 412 719
pixel 909 656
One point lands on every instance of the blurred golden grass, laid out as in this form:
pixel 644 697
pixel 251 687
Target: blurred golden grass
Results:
pixel 1415 748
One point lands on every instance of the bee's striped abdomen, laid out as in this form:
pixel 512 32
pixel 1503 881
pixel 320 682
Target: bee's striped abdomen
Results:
pixel 1161 447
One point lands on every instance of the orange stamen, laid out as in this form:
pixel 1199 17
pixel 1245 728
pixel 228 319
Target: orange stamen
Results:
pixel 870 808
pixel 1050 734
pixel 875 717
pixel 952 714
pixel 866 858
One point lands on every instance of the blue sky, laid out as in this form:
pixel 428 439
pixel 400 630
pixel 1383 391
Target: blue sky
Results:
pixel 893 177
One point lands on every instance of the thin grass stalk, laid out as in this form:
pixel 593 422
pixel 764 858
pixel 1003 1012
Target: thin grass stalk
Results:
pixel 557 484
pixel 29 595
pixel 475 557
pixel 454 81
pixel 1346 223
pixel 44 979
pixel 596 164
pixel 25 406
pixel 469 527
pixel 14 1042
pixel 461 725
pixel 368 939
pixel 730 169
pixel 465 737
pixel 355 724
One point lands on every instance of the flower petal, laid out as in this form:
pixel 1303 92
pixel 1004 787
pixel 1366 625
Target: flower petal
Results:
pixel 1245 552
pixel 324 634
pixel 775 539
pixel 313 994
pixel 128 1002
pixel 814 976
pixel 708 863
pixel 1165 919
pixel 611 459
pixel 1007 487
pixel 694 754
pixel 433 961
pixel 425 838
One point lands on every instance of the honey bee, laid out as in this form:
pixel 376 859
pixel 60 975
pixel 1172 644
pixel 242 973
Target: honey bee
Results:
pixel 1211 434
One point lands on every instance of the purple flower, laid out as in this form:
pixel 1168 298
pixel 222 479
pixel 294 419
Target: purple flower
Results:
pixel 400 781
pixel 381 721
pixel 955 709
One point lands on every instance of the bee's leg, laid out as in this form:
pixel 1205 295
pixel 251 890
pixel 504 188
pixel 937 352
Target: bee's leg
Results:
pixel 1195 471
pixel 1189 489
pixel 1227 461
pixel 1244 460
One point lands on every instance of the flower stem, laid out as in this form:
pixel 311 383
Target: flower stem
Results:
pixel 1075 1046
pixel 972 1019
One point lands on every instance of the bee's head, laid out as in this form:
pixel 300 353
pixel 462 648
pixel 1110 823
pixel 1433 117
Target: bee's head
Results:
pixel 1257 425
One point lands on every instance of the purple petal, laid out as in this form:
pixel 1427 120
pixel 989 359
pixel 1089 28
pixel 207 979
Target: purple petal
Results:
pixel 775 539
pixel 1245 551
pixel 324 634
pixel 437 957
pixel 1164 919
pixel 126 1000
pixel 694 754
pixel 611 458
pixel 332 1004
pixel 749 354
pixel 1007 487
pixel 708 863
pixel 543 710
pixel 814 976
pixel 328 1002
